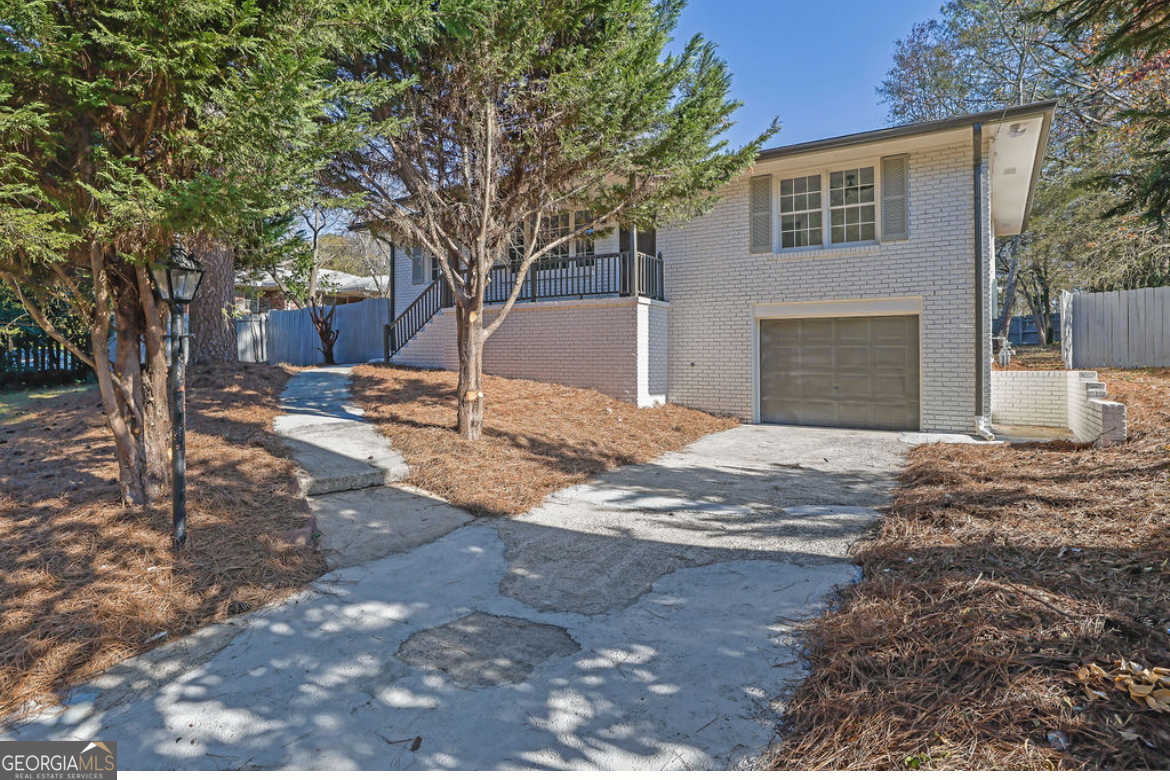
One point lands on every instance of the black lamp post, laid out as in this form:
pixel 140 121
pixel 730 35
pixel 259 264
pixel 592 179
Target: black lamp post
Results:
pixel 177 281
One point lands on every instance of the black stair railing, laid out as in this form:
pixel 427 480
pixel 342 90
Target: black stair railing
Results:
pixel 430 301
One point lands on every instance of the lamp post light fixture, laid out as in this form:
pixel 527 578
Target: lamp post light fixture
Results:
pixel 177 282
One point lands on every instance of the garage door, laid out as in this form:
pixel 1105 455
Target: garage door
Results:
pixel 855 372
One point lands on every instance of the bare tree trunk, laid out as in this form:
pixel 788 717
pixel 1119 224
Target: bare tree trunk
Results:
pixel 1009 290
pixel 470 388
pixel 213 333
pixel 1040 304
pixel 323 322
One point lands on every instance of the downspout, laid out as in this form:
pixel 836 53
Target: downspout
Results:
pixel 393 314
pixel 981 422
pixel 393 278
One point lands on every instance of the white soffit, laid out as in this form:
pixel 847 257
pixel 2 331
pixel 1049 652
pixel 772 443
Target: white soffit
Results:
pixel 1014 157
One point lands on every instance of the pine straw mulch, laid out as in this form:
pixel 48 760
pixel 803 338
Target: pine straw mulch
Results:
pixel 85 583
pixel 537 437
pixel 998 574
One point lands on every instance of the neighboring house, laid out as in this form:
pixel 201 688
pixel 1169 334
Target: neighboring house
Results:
pixel 847 281
pixel 258 292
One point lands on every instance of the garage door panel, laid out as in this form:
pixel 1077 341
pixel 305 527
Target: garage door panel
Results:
pixel 886 388
pixel 893 329
pixel 846 371
pixel 896 416
pixel 810 412
pixel 896 358
pixel 816 330
pixel 816 358
pixel 854 358
pixel 858 414
pixel 854 329
pixel 816 385
pixel 782 358
pixel 853 388
pixel 786 331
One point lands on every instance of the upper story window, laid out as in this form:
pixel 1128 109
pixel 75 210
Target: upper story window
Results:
pixel 800 212
pixel 831 207
pixel 852 214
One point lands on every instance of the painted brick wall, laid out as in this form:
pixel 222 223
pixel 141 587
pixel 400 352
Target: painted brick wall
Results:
pixel 1030 398
pixel 1090 416
pixel 591 343
pixel 1059 399
pixel 712 280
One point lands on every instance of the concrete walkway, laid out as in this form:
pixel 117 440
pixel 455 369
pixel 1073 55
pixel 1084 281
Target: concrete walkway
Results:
pixel 642 621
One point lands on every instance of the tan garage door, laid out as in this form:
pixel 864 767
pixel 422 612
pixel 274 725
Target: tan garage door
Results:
pixel 854 372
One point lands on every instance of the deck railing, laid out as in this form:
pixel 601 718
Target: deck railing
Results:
pixel 581 276
pixel 553 278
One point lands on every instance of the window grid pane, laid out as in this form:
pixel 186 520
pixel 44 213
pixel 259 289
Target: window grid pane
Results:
pixel 800 212
pixel 552 228
pixel 852 215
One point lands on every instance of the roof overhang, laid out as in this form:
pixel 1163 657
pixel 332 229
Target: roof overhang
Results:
pixel 1018 139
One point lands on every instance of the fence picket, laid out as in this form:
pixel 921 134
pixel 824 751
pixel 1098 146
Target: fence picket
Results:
pixel 1119 329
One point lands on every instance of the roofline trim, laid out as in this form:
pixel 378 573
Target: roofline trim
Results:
pixel 1041 152
pixel 1045 107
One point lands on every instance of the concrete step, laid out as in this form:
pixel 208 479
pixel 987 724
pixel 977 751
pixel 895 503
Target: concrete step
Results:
pixel 338 455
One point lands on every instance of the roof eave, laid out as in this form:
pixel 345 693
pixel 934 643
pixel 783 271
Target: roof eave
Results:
pixel 1037 167
pixel 912 130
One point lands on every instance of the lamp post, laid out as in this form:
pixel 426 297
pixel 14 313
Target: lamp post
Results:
pixel 176 282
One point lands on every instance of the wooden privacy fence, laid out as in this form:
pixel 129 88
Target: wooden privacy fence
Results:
pixel 290 337
pixel 1022 329
pixel 1122 329
pixel 36 359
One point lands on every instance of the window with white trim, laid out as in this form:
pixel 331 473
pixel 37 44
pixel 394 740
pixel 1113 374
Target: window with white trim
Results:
pixel 418 266
pixel 586 244
pixel 852 210
pixel 800 212
pixel 553 227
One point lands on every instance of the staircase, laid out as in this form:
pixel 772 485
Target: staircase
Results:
pixel 430 301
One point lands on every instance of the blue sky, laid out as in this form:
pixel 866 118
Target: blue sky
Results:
pixel 813 63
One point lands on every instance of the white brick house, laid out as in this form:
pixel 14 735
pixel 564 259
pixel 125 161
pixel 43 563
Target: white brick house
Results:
pixel 847 281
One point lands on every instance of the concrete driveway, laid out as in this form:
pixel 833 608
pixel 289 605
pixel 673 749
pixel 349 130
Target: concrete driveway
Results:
pixel 643 621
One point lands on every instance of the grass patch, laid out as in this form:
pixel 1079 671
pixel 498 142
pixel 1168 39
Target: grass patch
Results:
pixel 538 437
pixel 997 574
pixel 86 582
pixel 22 405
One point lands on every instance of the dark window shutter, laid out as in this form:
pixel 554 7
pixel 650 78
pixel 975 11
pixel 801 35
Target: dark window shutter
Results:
pixel 895 196
pixel 761 214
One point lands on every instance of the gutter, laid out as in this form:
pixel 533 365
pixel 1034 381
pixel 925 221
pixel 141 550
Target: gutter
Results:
pixel 979 277
pixel 919 128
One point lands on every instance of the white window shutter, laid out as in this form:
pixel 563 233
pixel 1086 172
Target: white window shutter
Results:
pixel 761 214
pixel 895 196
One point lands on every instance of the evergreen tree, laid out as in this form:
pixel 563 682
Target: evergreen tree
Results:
pixel 520 109
pixel 126 123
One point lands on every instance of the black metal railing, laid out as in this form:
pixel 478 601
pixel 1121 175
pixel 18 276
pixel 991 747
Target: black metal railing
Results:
pixel 553 278
pixel 581 276
pixel 435 297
